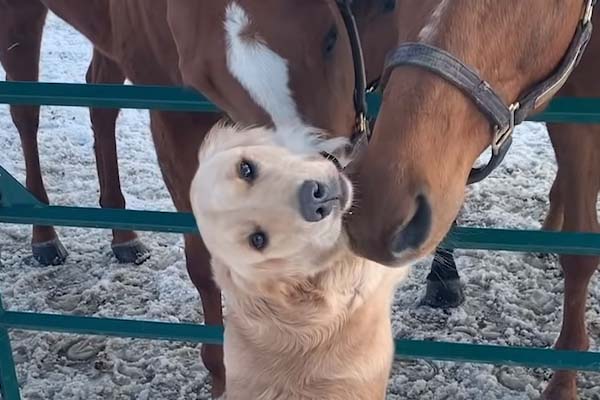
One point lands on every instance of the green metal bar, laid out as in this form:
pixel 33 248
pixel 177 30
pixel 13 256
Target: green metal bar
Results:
pixel 536 241
pixel 103 218
pixel 112 327
pixel 12 193
pixel 499 355
pixel 459 352
pixel 170 98
pixel 156 221
pixel 9 385
pixel 571 110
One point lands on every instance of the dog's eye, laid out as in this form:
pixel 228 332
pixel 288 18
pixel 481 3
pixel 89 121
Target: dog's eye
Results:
pixel 247 170
pixel 258 240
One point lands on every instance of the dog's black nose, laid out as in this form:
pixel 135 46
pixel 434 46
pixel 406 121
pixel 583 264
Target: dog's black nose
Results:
pixel 316 200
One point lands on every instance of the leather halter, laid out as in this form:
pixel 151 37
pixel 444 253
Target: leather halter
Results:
pixel 362 132
pixel 502 117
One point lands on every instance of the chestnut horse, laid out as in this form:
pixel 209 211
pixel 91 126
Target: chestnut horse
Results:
pixel 435 122
pixel 237 54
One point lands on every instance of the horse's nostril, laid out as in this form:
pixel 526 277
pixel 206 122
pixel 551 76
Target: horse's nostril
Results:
pixel 314 202
pixel 413 234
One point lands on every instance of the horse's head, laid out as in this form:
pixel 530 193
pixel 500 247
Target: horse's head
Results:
pixel 274 62
pixel 378 28
pixel 428 134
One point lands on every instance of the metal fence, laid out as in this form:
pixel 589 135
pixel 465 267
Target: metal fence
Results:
pixel 18 206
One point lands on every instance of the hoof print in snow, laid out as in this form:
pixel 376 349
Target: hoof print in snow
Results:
pixel 82 349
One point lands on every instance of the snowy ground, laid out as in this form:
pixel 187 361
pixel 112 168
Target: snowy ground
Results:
pixel 512 299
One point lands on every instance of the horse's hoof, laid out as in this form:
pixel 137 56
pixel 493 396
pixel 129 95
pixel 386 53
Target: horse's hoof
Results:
pixel 133 251
pixel 51 252
pixel 443 294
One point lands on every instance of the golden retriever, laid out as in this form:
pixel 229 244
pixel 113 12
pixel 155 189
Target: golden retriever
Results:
pixel 305 317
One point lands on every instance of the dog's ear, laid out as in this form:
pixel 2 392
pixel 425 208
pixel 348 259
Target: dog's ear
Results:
pixel 225 136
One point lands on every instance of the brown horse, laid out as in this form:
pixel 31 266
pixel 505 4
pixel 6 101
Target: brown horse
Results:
pixel 429 133
pixel 237 54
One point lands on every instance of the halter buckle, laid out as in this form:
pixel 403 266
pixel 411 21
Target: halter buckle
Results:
pixel 502 134
pixel 362 123
pixel 587 14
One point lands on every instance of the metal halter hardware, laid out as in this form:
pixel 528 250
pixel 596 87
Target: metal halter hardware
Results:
pixel 502 117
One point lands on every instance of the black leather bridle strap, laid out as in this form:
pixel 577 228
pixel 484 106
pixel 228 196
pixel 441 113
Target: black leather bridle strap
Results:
pixel 360 83
pixel 362 132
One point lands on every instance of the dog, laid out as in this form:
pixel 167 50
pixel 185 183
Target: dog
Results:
pixel 305 318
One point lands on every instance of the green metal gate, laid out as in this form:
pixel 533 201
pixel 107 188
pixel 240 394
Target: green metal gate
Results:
pixel 18 206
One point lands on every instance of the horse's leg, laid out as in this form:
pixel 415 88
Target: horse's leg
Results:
pixel 125 245
pixel 579 176
pixel 177 138
pixel 554 218
pixel 444 289
pixel 21 27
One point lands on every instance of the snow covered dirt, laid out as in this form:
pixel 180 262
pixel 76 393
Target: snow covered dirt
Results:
pixel 512 298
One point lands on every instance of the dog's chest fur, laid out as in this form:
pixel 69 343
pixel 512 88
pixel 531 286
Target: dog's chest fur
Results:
pixel 328 337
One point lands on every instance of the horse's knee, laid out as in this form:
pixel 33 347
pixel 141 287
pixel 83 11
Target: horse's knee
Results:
pixel 26 120
pixel 555 216
pixel 197 260
pixel 579 268
pixel 200 272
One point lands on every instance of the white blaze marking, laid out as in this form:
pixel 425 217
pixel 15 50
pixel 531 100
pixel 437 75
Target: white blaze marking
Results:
pixel 262 72
pixel 428 32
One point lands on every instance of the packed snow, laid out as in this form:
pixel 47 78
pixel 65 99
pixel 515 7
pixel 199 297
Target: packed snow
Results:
pixel 512 298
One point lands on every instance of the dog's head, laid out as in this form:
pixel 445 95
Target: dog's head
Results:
pixel 267 204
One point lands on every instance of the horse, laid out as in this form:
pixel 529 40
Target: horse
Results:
pixel 457 67
pixel 237 54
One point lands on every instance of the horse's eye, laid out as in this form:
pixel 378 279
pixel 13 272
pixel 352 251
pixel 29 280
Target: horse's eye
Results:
pixel 258 240
pixel 247 170
pixel 330 40
pixel 389 5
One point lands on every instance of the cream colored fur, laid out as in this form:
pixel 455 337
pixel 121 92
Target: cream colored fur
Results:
pixel 305 317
